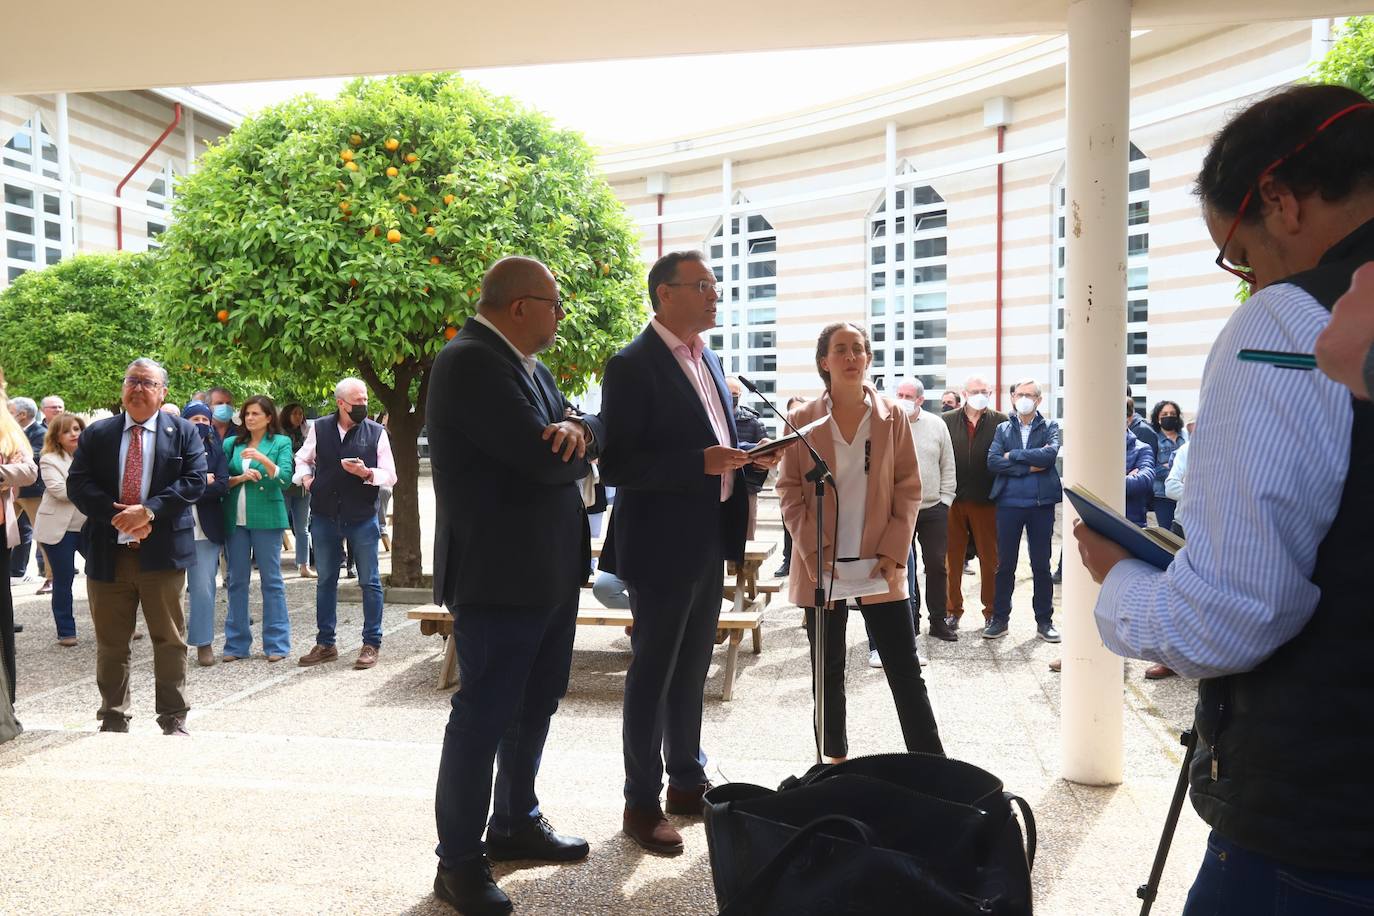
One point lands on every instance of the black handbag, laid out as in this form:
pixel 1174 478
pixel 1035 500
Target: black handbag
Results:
pixel 891 834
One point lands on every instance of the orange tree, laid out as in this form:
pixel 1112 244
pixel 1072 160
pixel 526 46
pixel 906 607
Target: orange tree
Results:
pixel 330 237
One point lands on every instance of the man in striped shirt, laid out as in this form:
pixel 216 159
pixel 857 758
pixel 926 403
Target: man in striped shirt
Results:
pixel 1269 602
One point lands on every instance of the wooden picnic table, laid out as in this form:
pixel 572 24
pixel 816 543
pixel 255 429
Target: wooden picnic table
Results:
pixel 748 600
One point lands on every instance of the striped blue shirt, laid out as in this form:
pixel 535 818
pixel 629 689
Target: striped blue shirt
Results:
pixel 1266 469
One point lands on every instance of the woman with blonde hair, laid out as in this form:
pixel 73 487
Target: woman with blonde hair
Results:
pixel 16 470
pixel 58 526
pixel 866 441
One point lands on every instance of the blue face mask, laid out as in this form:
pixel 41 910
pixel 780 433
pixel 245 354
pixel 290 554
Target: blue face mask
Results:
pixel 223 413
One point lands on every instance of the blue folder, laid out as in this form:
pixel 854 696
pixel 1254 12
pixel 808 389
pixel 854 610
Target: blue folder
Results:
pixel 1153 545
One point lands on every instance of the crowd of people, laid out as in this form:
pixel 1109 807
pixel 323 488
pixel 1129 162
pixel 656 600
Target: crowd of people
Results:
pixel 1265 604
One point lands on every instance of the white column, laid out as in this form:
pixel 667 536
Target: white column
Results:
pixel 727 237
pixel 189 123
pixel 1098 144
pixel 64 175
pixel 890 249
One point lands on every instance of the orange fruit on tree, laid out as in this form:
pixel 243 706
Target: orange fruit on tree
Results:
pixel 403 197
pixel 450 332
pixel 353 282
pixel 351 166
pixel 429 230
pixel 448 199
pixel 391 144
pixel 345 206
pixel 414 209
pixel 222 315
pixel 393 235
pixel 355 139
pixel 434 260
pixel 426 290
pixel 412 158
pixel 346 155
pixel 392 171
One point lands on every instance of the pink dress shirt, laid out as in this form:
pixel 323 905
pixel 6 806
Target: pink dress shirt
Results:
pixel 689 360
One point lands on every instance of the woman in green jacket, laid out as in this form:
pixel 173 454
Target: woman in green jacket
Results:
pixel 254 518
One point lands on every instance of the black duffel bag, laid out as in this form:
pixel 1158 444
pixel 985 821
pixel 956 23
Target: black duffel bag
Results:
pixel 894 833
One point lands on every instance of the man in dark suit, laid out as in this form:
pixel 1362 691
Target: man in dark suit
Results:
pixel 512 549
pixel 27 498
pixel 674 456
pixel 136 476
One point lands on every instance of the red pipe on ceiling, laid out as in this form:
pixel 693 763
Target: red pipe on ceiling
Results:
pixel 119 188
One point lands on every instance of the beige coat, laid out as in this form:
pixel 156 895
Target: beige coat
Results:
pixel 894 494
pixel 18 472
pixel 56 513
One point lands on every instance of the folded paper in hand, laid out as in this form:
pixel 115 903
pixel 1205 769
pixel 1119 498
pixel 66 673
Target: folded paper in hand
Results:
pixel 855 579
pixel 768 448
pixel 1155 546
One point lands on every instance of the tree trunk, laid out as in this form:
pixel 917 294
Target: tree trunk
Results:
pixel 404 429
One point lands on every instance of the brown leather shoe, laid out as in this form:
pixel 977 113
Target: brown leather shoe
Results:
pixel 1057 665
pixel 686 802
pixel 367 657
pixel 318 654
pixel 651 830
pixel 1159 672
pixel 175 728
pixel 67 641
pixel 205 656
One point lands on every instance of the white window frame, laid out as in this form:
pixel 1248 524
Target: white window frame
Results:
pixel 46 250
pixel 738 316
pixel 896 297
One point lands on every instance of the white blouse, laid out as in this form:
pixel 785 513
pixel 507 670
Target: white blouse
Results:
pixel 851 481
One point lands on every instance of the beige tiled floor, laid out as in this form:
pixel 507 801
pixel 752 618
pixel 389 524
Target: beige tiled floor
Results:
pixel 311 790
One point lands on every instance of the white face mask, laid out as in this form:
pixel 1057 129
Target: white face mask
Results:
pixel 978 401
pixel 906 407
pixel 1025 405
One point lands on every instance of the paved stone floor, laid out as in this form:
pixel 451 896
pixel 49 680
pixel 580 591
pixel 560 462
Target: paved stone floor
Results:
pixel 311 790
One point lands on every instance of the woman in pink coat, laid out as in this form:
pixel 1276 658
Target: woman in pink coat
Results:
pixel 867 444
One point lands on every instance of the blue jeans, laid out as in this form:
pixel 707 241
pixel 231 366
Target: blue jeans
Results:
pixel 328 537
pixel 674 635
pixel 200 584
pixel 1237 882
pixel 62 566
pixel 298 507
pixel 513 665
pixel 1164 512
pixel 265 546
pixel 610 591
pixel 1038 524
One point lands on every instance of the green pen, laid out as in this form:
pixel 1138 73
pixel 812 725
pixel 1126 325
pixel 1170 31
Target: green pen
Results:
pixel 1304 361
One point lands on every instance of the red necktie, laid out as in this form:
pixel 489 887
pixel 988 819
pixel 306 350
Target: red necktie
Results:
pixel 131 489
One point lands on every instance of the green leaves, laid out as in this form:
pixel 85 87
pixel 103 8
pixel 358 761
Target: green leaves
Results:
pixel 1350 62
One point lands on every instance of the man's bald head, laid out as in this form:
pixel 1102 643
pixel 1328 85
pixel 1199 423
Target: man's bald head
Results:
pixel 736 389
pixel 510 279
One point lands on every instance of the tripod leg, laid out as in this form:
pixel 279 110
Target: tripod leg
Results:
pixel 1146 892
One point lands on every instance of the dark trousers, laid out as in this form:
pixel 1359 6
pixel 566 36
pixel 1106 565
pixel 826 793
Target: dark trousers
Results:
pixel 1037 522
pixel 786 548
pixel 932 533
pixel 1164 512
pixel 674 635
pixel 1234 881
pixel 889 624
pixel 19 553
pixel 513 665
pixel 7 622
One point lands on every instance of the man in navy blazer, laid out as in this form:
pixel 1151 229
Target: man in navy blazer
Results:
pixel 511 551
pixel 136 476
pixel 674 456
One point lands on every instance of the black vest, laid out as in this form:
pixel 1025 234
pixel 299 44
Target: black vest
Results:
pixel 335 493
pixel 1285 757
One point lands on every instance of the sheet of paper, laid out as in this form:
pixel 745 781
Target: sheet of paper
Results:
pixel 855 579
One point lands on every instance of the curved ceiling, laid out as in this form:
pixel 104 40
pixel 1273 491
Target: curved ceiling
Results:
pixel 83 45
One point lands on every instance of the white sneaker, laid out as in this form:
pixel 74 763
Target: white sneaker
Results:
pixel 921 657
pixel 873 660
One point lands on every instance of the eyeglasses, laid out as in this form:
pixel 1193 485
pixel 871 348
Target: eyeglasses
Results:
pixel 132 382
pixel 557 303
pixel 700 286
pixel 1246 273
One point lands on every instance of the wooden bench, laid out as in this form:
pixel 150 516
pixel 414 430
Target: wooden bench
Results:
pixel 591 612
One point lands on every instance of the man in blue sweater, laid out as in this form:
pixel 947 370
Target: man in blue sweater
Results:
pixel 1026 490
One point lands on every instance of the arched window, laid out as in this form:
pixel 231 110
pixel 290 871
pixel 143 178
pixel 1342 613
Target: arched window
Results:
pixel 32 231
pixel 907 313
pixel 1137 281
pixel 745 337
pixel 159 197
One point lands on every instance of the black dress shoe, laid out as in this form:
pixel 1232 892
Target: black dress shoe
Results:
pixel 114 724
pixel 536 840
pixel 176 727
pixel 18 628
pixel 468 888
pixel 941 630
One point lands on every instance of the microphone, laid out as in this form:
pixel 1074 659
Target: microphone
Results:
pixel 821 471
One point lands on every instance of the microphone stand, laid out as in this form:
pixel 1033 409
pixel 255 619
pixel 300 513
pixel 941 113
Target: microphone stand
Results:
pixel 818 475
